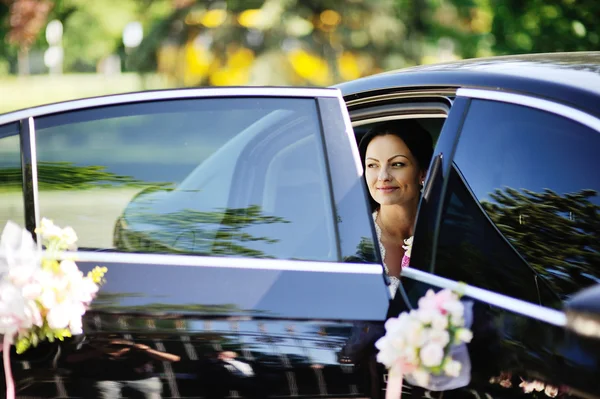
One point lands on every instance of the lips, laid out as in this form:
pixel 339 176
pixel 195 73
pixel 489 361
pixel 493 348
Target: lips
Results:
pixel 386 190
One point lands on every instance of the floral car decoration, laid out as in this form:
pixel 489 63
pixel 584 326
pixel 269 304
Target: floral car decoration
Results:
pixel 427 346
pixel 43 294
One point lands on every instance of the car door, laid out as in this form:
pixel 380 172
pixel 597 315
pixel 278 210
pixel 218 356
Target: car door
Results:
pixel 231 270
pixel 517 222
pixel 520 341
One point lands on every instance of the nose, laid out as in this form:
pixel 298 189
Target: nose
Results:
pixel 383 174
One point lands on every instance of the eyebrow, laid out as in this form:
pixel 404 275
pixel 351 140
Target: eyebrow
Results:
pixel 395 156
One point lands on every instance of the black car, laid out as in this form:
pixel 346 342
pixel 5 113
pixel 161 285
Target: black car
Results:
pixel 240 246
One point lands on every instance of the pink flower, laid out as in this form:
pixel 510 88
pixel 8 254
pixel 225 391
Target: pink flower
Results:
pixel 405 261
pixel 407 252
pixel 442 298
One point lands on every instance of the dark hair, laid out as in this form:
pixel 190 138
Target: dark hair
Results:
pixel 417 139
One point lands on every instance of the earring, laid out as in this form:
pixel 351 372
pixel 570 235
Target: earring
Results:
pixel 422 185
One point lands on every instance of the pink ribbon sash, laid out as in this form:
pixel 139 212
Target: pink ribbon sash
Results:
pixel 393 389
pixel 10 383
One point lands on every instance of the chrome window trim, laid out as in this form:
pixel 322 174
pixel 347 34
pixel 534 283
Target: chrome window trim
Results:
pixel 34 176
pixel 443 94
pixel 224 262
pixel 550 316
pixel 395 117
pixel 533 102
pixel 351 139
pixel 173 94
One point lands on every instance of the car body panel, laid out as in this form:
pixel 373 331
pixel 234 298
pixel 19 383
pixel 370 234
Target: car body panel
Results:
pixel 566 78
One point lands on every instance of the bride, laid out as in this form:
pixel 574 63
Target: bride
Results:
pixel 395 156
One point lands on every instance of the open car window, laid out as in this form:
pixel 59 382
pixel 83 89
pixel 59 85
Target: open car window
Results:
pixel 210 176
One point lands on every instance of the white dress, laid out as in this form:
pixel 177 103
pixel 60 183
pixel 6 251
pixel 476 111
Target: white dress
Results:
pixel 394 281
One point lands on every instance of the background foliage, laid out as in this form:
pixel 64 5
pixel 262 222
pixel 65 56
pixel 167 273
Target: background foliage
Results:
pixel 276 42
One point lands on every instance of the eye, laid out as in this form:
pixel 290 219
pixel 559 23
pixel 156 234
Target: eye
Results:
pixel 398 164
pixel 371 165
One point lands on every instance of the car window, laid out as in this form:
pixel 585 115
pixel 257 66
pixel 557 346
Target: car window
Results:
pixel 11 176
pixel 522 196
pixel 232 177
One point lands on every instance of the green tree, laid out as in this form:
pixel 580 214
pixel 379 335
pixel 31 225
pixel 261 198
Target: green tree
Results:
pixel 536 26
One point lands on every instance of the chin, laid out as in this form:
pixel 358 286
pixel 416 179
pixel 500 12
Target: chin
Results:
pixel 388 201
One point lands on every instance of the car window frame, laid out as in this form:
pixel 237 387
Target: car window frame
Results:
pixel 464 95
pixel 412 105
pixel 21 132
pixel 28 117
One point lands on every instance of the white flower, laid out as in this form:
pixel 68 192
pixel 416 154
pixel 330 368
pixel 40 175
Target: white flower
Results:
pixel 386 355
pixel 59 316
pixel 432 355
pixel 397 342
pixel 49 230
pixel 75 325
pixel 551 391
pixel 18 253
pixel 439 337
pixel 457 321
pixel 33 314
pixel 68 236
pixel 396 325
pixel 452 368
pixel 464 335
pixel 86 290
pixel 68 267
pixel 428 301
pixel 415 334
pixel 16 312
pixel 426 316
pixel 48 298
pixel 409 355
pixel 408 246
pixel 11 308
pixel 421 377
pixel 32 290
pixel 439 322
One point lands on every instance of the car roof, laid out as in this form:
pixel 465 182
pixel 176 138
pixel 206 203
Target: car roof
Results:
pixel 572 78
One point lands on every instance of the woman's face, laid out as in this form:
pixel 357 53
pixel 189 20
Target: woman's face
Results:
pixel 392 173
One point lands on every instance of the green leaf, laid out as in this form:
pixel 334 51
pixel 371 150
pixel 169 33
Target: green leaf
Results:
pixel 34 339
pixel 23 344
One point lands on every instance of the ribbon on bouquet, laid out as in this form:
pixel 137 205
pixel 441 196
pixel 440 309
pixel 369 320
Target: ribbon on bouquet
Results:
pixel 393 389
pixel 10 384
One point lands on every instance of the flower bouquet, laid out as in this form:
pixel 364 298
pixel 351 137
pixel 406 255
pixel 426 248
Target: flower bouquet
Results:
pixel 43 296
pixel 427 346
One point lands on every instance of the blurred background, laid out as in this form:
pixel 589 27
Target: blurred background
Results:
pixel 54 50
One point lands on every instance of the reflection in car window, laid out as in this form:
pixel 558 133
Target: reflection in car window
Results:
pixel 11 177
pixel 528 179
pixel 232 177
